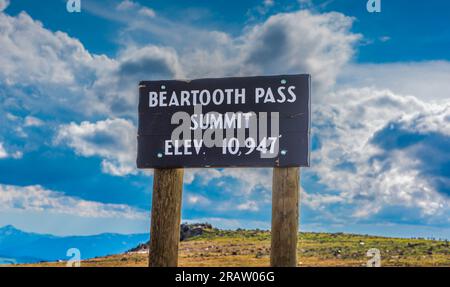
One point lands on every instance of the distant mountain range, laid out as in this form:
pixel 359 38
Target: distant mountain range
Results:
pixel 17 246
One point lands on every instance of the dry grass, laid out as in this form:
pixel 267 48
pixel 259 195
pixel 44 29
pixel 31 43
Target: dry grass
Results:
pixel 252 248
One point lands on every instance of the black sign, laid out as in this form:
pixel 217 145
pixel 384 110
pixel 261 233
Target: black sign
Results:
pixel 227 122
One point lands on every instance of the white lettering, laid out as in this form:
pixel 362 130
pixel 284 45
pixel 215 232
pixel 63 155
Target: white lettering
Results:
pixel 174 100
pixel 292 94
pixel 259 93
pixel 168 146
pixel 153 99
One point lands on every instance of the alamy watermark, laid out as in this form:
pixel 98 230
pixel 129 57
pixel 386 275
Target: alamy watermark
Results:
pixel 373 6
pixel 75 257
pixel 230 131
pixel 375 260
pixel 73 6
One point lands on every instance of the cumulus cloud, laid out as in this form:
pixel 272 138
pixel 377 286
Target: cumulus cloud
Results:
pixel 113 139
pixel 39 66
pixel 150 62
pixel 355 161
pixel 297 42
pixel 300 42
pixel 47 57
pixel 377 149
pixel 436 120
pixel 42 65
pixel 37 198
pixel 424 138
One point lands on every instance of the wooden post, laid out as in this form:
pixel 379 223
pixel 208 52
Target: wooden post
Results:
pixel 285 214
pixel 166 217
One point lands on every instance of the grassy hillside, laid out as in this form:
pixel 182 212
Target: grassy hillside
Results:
pixel 252 248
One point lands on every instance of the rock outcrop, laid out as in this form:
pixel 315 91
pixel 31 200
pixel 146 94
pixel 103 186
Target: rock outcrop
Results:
pixel 186 231
pixel 191 230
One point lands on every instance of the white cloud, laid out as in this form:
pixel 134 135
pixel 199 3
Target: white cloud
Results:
pixel 36 198
pixel 4 4
pixel 319 201
pixel 426 80
pixel 36 55
pixel 149 62
pixel 113 139
pixel 362 172
pixel 197 200
pixel 248 188
pixel 250 179
pixel 55 64
pixel 206 175
pixel 17 155
pixel 147 12
pixel 248 206
pixel 301 42
pixel 33 122
pixel 127 5
pixel 3 153
pixel 436 120
pixel 50 64
pixel 298 42
pixel 132 6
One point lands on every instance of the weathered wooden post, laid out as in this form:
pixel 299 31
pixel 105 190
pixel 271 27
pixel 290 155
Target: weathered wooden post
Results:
pixel 285 215
pixel 166 217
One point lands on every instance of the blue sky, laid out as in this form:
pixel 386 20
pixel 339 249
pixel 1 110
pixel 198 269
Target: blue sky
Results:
pixel 381 110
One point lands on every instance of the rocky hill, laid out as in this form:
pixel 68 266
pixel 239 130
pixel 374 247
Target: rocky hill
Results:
pixel 215 247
